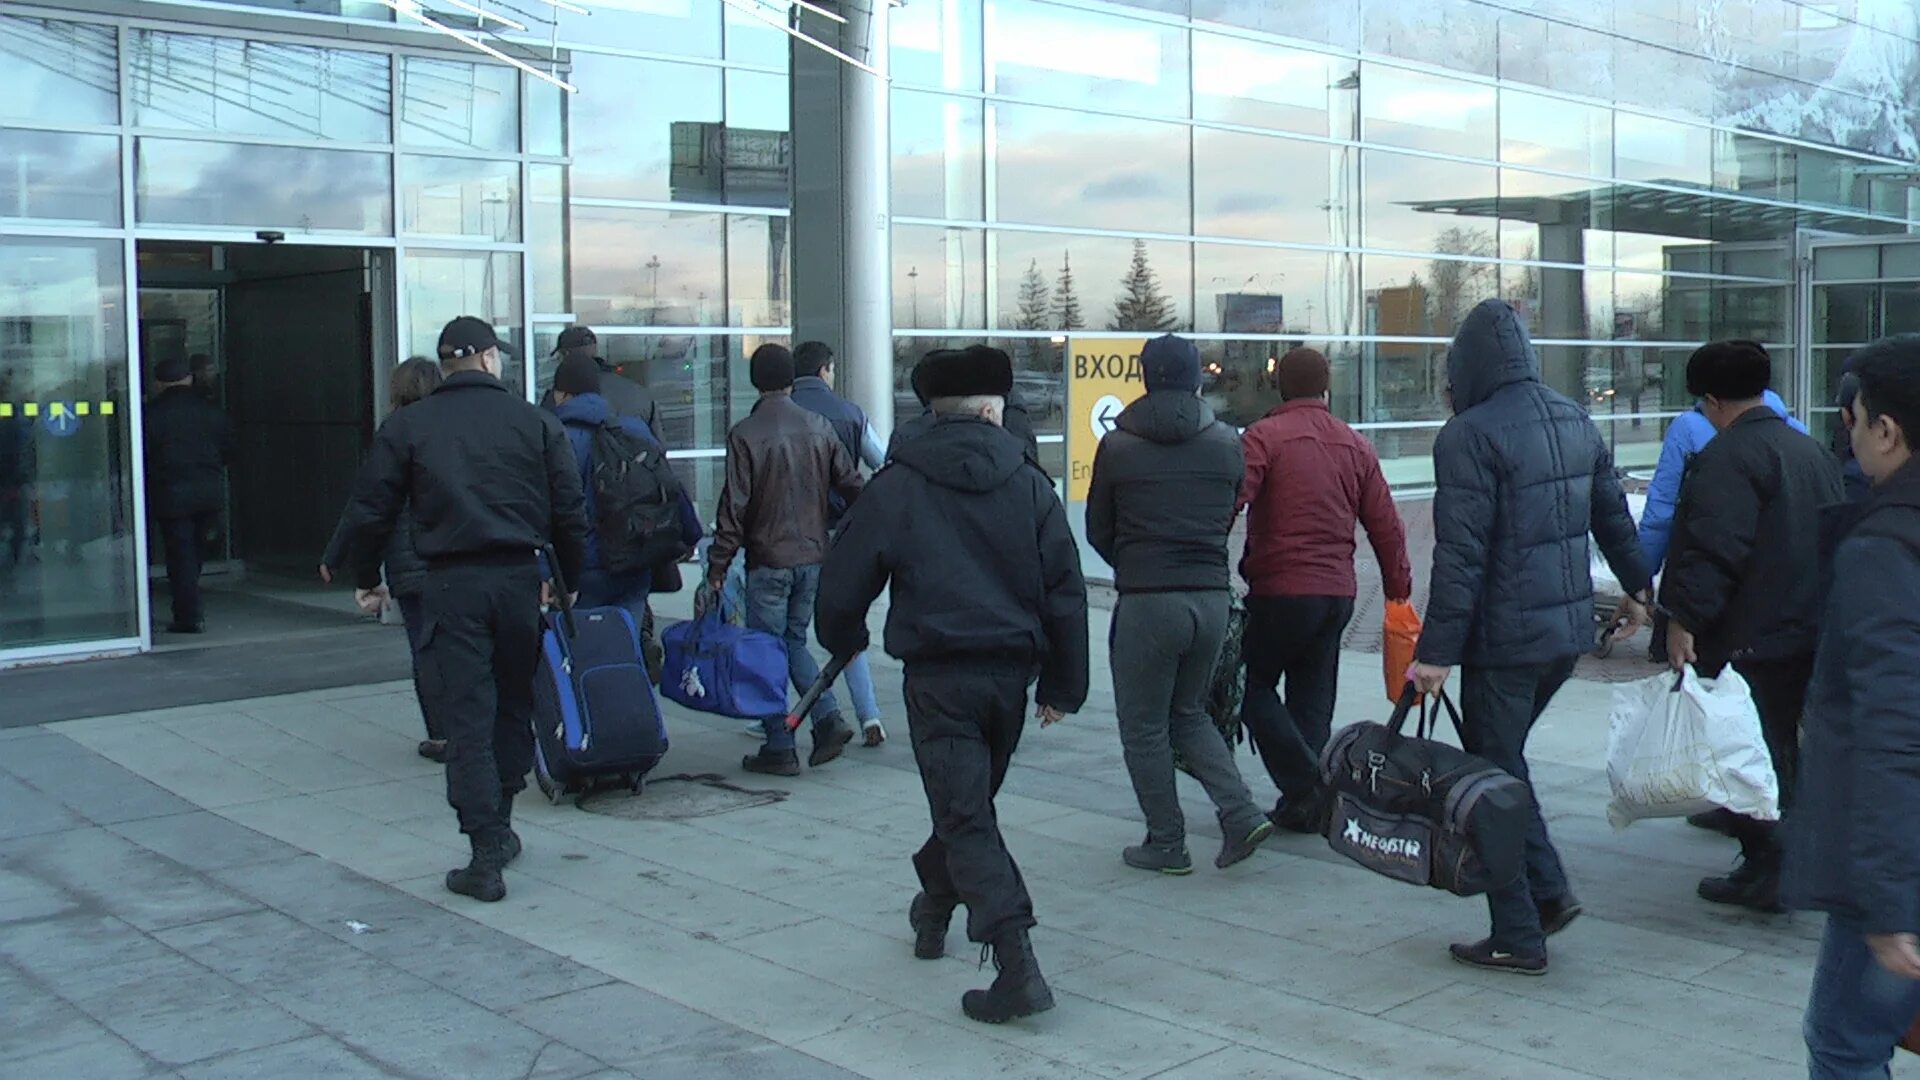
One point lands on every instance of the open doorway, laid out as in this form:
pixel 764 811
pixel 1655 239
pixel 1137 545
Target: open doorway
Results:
pixel 290 342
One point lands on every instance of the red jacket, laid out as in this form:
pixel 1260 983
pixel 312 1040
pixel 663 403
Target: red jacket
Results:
pixel 1309 479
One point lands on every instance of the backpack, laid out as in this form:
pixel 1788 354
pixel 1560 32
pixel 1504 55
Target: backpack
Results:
pixel 637 501
pixel 1420 811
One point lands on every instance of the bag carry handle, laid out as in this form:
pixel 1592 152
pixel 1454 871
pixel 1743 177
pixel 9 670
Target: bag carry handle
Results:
pixel 1429 712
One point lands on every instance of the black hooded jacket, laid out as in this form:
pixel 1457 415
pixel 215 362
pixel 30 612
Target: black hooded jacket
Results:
pixel 1521 476
pixel 983 568
pixel 1746 532
pixel 1162 496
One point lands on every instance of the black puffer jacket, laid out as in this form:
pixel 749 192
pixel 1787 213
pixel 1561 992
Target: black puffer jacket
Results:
pixel 1746 533
pixel 983 569
pixel 1162 496
pixel 1521 476
pixel 189 444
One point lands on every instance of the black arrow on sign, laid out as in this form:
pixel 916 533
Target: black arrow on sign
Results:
pixel 1106 418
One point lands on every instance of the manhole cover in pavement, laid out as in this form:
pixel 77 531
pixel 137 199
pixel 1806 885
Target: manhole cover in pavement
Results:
pixel 674 798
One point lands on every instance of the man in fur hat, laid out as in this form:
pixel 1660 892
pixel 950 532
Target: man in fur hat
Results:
pixel 986 593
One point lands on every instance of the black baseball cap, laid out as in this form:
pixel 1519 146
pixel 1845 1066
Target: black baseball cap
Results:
pixel 469 335
pixel 574 336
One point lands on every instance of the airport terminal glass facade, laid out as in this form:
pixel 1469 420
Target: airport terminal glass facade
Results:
pixel 1349 174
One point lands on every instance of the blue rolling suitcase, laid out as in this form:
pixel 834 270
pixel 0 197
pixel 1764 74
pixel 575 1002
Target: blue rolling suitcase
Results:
pixel 595 715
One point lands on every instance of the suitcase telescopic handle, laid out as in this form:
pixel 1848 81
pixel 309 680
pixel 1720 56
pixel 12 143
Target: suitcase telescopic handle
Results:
pixel 807 700
pixel 560 593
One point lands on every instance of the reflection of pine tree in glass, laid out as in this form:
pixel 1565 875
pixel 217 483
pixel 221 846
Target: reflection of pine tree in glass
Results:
pixel 1033 300
pixel 1066 302
pixel 1142 306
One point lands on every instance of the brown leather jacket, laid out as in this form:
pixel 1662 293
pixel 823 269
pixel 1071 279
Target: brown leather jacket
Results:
pixel 782 461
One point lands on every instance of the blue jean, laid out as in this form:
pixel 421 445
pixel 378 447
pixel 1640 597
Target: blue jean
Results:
pixel 1858 1010
pixel 780 601
pixel 859 680
pixel 1498 708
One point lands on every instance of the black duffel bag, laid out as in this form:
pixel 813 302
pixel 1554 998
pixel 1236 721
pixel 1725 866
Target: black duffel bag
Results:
pixel 1420 811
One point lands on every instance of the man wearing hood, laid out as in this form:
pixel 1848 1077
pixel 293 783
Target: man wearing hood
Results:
pixel 1311 482
pixel 1521 477
pixel 1852 850
pixel 986 591
pixel 1158 510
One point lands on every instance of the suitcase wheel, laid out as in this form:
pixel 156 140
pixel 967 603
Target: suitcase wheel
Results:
pixel 637 783
pixel 551 788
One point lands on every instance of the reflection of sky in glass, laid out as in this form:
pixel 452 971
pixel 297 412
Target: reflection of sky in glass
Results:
pixel 454 104
pixel 60 177
pixel 648 267
pixel 199 183
pixel 60 72
pixel 1071 57
pixel 1062 168
pixel 624 152
pixel 239 87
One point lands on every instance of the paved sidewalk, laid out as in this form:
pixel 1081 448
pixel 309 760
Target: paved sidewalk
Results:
pixel 253 889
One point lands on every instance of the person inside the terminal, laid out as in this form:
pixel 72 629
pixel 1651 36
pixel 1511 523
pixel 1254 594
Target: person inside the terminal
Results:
pixel 1159 508
pixel 1851 847
pixel 1311 481
pixel 1738 590
pixel 1521 477
pixel 190 443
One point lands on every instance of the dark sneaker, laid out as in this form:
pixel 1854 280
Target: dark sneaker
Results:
pixel 929 927
pixel 1018 990
pixel 187 628
pixel 433 750
pixel 1722 821
pixel 1233 851
pixel 1482 954
pixel 1754 885
pixel 773 762
pixel 1174 861
pixel 1557 915
pixel 1308 817
pixel 829 740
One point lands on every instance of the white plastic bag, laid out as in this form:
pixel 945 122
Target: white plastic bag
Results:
pixel 1681 747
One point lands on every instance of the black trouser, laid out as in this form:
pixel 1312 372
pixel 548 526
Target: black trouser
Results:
pixel 1498 708
pixel 1298 638
pixel 479 651
pixel 965 726
pixel 1779 695
pixel 413 613
pixel 185 539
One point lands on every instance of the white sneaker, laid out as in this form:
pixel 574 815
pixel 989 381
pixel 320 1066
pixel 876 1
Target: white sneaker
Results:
pixel 875 734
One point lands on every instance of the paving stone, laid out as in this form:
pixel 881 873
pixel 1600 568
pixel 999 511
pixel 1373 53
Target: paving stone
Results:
pixel 101 866
pixel 201 776
pixel 909 1046
pixel 204 841
pixel 627 1027
pixel 315 1056
pixel 1246 1063
pixel 25 897
pixel 24 811
pixel 87 785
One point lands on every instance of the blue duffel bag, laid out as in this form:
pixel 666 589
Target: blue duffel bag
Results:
pixel 715 667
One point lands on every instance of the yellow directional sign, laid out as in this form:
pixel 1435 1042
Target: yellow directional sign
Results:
pixel 1103 379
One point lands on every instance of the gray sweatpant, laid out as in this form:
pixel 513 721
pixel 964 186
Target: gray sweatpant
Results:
pixel 1164 649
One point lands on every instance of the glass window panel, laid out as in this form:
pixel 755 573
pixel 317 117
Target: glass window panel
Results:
pixel 443 285
pixel 754 166
pixel 759 254
pixel 1084 59
pixel 1407 297
pixel 1304 20
pixel 1253 290
pixel 59 72
pixel 1848 263
pixel 1038 378
pixel 238 87
pixel 455 197
pixel 1900 261
pixel 1420 204
pixel 1237 81
pixel 1846 314
pixel 1555 219
pixel 938 156
pixel 1751 165
pixel 1549 133
pixel 68 564
pixel 1664 151
pixel 454 104
pixel 940 281
pixel 1461 35
pixel 1542 51
pixel 936 43
pixel 59 177
pixel 547 241
pixel 1055 167
pixel 1427 112
pixel 755 41
pixel 1264 188
pixel 197 183
pixel 547 110
pixel 648 267
pixel 1085 278
pixel 620 152
pixel 678 27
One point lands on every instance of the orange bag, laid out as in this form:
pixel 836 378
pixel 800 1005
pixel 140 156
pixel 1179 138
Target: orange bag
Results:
pixel 1401 634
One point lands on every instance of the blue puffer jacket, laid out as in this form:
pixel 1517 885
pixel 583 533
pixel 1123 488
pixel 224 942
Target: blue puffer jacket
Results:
pixel 1690 432
pixel 581 416
pixel 1521 476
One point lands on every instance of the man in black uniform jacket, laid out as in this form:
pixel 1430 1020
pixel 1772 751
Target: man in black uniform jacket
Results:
pixel 490 479
pixel 986 591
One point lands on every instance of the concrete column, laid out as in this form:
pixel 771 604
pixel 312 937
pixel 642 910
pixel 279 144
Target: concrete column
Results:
pixel 842 193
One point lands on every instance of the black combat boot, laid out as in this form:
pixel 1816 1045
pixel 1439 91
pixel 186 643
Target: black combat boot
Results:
pixel 1018 991
pixel 480 878
pixel 511 843
pixel 929 922
pixel 1755 884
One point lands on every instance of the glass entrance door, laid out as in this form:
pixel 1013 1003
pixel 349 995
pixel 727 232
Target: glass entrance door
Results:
pixel 1853 291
